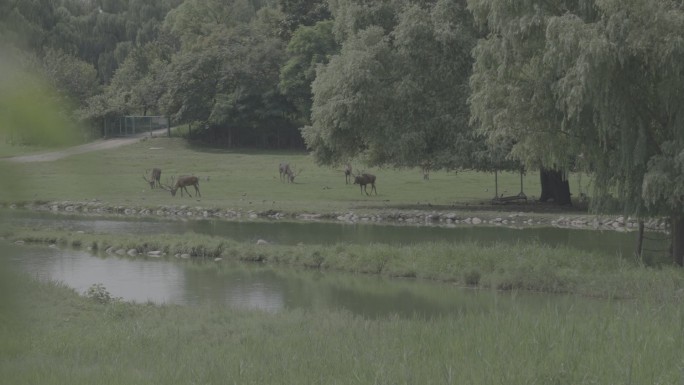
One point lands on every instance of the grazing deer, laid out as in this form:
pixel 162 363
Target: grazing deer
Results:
pixel 363 180
pixel 287 173
pixel 426 166
pixel 183 182
pixel 283 169
pixel 155 179
pixel 347 173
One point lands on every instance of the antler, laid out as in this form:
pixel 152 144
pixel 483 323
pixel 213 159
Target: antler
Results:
pixel 167 187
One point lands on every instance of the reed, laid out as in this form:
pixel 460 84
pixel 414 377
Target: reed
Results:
pixel 67 338
pixel 523 266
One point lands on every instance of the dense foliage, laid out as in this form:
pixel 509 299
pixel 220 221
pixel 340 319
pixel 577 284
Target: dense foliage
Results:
pixel 600 84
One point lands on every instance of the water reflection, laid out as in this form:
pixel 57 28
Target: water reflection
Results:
pixel 254 287
pixel 290 233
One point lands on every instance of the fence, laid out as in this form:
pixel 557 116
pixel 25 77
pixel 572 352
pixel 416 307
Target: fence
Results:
pixel 132 125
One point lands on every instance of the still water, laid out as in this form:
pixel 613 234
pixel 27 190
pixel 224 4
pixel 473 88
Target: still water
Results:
pixel 246 286
pixel 264 288
pixel 291 233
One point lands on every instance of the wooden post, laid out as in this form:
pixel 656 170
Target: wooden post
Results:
pixel 640 240
pixel 496 184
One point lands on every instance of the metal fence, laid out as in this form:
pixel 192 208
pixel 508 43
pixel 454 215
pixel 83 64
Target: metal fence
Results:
pixel 132 125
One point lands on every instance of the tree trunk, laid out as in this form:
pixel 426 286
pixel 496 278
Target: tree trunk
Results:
pixel 677 229
pixel 640 241
pixel 554 185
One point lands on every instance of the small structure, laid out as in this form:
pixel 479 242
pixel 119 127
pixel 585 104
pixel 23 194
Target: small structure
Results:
pixel 501 199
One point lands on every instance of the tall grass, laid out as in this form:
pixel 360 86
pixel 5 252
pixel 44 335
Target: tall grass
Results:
pixel 65 338
pixel 524 266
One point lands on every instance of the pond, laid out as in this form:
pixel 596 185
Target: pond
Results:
pixel 290 233
pixel 247 286
pixel 272 289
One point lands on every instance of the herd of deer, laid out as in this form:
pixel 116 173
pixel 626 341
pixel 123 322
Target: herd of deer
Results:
pixel 286 174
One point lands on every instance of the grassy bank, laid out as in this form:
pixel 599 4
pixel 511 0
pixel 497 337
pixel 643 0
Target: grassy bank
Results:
pixel 57 337
pixel 527 266
pixel 249 180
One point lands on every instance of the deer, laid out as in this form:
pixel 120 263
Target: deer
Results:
pixel 347 173
pixel 283 169
pixel 287 173
pixel 155 179
pixel 426 166
pixel 183 182
pixel 365 179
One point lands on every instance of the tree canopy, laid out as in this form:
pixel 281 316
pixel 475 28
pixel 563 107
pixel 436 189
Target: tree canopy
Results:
pixel 396 93
pixel 599 83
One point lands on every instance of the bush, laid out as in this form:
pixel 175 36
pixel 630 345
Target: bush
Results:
pixel 98 293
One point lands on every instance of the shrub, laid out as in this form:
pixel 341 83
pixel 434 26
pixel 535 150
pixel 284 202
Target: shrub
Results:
pixel 98 293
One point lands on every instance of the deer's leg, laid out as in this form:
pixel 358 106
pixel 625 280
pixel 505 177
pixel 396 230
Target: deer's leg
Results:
pixel 197 192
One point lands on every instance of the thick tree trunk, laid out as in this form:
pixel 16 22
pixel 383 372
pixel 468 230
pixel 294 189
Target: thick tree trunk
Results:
pixel 554 185
pixel 677 231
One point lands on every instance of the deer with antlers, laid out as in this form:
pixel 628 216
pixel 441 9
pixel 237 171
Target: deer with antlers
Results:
pixel 365 179
pixel 287 173
pixel 155 178
pixel 182 183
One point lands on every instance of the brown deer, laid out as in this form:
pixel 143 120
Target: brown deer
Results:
pixel 365 179
pixel 183 182
pixel 287 173
pixel 347 173
pixel 283 169
pixel 155 179
pixel 426 166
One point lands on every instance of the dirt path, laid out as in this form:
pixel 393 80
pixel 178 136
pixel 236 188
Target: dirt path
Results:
pixel 97 145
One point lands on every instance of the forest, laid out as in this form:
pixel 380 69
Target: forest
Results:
pixel 560 86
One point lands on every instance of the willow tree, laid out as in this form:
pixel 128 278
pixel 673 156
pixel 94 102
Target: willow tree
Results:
pixel 396 94
pixel 596 79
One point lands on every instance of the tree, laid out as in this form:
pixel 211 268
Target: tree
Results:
pixel 226 76
pixel 309 47
pixel 598 79
pixel 512 99
pixel 396 93
pixel 76 79
pixel 300 13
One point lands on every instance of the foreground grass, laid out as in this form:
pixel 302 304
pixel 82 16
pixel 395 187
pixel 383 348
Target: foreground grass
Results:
pixel 58 337
pixel 525 266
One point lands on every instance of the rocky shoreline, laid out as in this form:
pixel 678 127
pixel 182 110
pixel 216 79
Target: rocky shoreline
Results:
pixel 446 218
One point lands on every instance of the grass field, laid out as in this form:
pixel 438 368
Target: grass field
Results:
pixel 249 180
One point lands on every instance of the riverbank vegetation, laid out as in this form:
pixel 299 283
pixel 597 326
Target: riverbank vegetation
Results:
pixel 524 266
pixel 55 336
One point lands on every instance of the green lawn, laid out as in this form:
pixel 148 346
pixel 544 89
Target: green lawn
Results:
pixel 247 180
